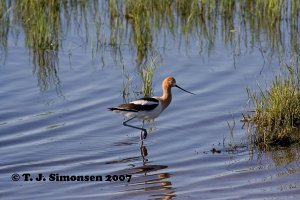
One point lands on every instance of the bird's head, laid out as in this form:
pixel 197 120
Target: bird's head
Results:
pixel 171 82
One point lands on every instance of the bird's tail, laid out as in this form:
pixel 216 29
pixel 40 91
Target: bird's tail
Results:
pixel 121 109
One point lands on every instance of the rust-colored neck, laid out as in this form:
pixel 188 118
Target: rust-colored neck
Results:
pixel 166 98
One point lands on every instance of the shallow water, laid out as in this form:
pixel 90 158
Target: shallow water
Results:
pixel 66 129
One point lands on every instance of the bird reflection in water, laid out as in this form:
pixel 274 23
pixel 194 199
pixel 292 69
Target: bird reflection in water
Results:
pixel 147 178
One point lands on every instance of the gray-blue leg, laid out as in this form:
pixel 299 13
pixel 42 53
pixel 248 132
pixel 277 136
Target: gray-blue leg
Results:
pixel 142 129
pixel 143 133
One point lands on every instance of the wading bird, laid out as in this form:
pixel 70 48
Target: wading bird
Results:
pixel 148 108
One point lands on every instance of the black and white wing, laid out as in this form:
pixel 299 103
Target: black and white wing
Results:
pixel 143 104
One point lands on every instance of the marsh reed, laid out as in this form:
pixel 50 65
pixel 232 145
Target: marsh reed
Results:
pixel 144 26
pixel 276 115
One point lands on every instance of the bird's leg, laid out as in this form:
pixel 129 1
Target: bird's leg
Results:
pixel 143 124
pixel 144 153
pixel 143 132
pixel 124 123
pixel 142 129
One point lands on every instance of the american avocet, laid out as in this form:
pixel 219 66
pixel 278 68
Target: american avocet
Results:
pixel 148 108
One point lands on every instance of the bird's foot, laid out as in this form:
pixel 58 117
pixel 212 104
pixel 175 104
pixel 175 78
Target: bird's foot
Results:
pixel 143 134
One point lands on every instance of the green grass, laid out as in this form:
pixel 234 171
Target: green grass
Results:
pixel 139 23
pixel 145 26
pixel 126 85
pixel 147 73
pixel 276 119
pixel 4 27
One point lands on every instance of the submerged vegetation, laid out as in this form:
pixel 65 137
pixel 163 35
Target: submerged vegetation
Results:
pixel 276 115
pixel 146 26
pixel 40 21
